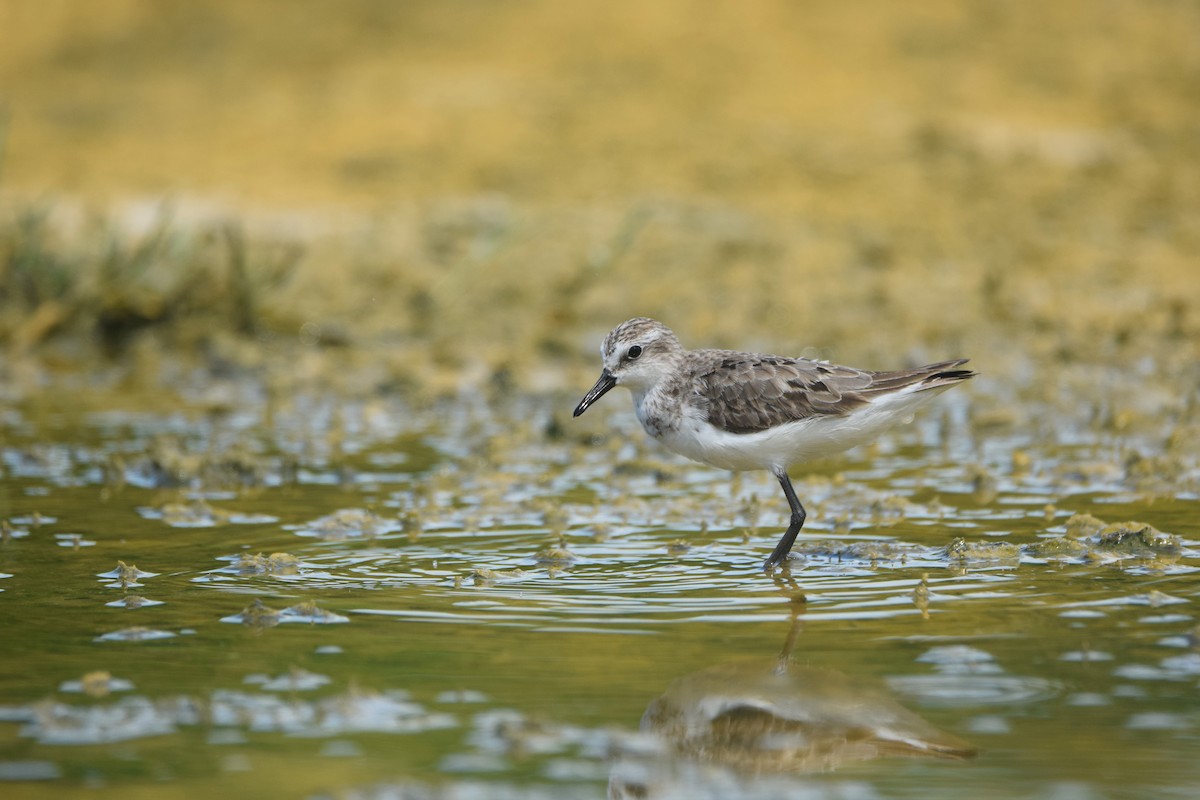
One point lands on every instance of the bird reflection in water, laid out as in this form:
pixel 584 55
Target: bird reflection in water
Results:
pixel 773 716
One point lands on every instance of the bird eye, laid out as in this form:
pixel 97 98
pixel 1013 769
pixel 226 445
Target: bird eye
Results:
pixel 634 352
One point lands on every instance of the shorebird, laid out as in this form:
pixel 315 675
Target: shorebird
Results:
pixel 746 411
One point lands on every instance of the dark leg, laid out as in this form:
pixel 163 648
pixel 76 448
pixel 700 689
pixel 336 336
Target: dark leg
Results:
pixel 789 536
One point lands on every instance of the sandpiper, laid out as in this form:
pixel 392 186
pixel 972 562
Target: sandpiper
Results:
pixel 743 411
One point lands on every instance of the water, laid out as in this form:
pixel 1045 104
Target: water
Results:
pixel 358 597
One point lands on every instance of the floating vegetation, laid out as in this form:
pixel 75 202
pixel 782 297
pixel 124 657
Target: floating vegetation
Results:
pixel 132 601
pixel 259 615
pixel 8 532
pixel 890 509
pixel 1060 548
pixel 26 771
pixel 958 659
pixel 1171 668
pixel 1083 525
pixel 508 732
pixel 1137 539
pixel 557 557
pixel 1088 538
pixel 984 487
pixel 256 615
pixel 461 696
pixel 1086 656
pixel 483 576
pixel 169 465
pixel 412 524
pixel 198 513
pixel 295 680
pixel 96 684
pixel 308 613
pixel 34 520
pixel 920 596
pixel 678 547
pixel 135 634
pixel 133 718
pixel 870 552
pixel 126 719
pixel 74 541
pixel 970 690
pixel 963 550
pixel 126 575
pixel 355 711
pixel 258 564
pixel 347 523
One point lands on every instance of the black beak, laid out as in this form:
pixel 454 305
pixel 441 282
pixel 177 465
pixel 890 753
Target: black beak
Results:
pixel 606 382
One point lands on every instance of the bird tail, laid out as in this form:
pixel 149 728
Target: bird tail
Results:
pixel 943 374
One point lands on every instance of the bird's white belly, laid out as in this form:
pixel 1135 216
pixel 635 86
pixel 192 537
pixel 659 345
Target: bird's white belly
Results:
pixel 792 442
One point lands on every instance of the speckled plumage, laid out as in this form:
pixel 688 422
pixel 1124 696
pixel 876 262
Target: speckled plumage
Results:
pixel 740 411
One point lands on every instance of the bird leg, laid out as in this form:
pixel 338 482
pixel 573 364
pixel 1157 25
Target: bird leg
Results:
pixel 789 536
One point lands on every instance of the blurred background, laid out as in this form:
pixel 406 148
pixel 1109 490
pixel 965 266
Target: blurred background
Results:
pixel 465 189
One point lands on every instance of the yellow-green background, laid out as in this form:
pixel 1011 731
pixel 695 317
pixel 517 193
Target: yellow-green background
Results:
pixel 458 187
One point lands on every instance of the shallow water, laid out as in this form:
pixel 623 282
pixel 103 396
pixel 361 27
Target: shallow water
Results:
pixel 474 598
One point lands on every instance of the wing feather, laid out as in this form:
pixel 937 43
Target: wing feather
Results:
pixel 747 392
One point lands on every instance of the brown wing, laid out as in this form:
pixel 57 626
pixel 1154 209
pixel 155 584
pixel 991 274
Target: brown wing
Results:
pixel 745 392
